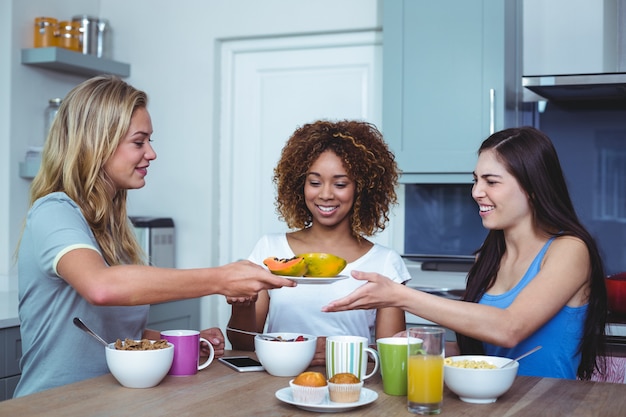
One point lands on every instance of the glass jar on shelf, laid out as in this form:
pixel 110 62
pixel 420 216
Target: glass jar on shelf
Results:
pixel 69 36
pixel 50 113
pixel 45 32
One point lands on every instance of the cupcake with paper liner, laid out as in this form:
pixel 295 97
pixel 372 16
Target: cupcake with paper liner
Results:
pixel 309 388
pixel 344 388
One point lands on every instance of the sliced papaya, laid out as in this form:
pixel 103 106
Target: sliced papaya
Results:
pixel 292 267
pixel 322 264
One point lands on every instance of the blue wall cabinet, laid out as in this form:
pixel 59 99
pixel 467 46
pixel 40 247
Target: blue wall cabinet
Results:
pixel 451 76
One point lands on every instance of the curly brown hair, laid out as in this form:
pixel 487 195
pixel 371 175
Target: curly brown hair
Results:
pixel 366 158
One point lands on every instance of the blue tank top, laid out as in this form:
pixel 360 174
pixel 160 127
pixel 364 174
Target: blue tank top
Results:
pixel 559 337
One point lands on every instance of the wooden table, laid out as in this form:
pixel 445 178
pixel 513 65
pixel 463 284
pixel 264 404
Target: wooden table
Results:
pixel 221 391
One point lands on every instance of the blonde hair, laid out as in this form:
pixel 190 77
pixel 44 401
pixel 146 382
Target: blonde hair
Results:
pixel 91 121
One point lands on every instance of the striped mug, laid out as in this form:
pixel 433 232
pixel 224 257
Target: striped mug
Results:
pixel 349 354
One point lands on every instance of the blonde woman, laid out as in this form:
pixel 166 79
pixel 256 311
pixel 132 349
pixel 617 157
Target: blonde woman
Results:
pixel 78 256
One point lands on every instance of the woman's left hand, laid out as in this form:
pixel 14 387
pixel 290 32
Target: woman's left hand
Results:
pixel 377 292
pixel 216 337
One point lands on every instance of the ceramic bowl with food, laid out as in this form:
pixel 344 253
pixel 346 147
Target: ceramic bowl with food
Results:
pixel 479 378
pixel 139 368
pixel 288 357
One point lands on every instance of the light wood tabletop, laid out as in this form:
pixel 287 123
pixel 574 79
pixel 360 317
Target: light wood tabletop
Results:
pixel 221 391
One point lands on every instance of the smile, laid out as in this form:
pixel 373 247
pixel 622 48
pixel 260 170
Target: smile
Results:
pixel 327 209
pixel 484 209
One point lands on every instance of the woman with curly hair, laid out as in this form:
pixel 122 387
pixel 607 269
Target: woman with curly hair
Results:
pixel 538 278
pixel 336 183
pixel 78 256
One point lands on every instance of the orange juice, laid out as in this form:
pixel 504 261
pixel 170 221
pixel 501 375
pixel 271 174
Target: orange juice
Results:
pixel 425 379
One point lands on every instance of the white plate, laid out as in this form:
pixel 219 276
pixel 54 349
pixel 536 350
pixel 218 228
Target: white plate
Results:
pixel 319 280
pixel 367 396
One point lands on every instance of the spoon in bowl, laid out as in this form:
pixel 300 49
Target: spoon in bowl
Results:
pixel 512 361
pixel 79 323
pixel 264 336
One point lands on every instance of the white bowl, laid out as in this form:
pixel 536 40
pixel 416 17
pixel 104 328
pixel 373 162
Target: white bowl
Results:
pixel 480 385
pixel 139 368
pixel 285 358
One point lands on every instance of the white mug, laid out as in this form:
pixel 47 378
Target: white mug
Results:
pixel 349 354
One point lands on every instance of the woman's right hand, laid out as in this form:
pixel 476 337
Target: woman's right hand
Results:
pixel 244 279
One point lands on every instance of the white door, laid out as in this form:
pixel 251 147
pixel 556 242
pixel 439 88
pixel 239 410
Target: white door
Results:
pixel 269 87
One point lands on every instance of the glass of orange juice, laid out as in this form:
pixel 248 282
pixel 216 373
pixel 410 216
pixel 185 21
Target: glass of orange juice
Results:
pixel 425 370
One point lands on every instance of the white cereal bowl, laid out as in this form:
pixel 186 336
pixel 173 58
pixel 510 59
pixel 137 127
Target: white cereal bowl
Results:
pixel 285 358
pixel 139 368
pixel 480 386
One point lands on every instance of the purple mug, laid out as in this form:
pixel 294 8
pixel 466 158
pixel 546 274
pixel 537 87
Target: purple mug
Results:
pixel 187 351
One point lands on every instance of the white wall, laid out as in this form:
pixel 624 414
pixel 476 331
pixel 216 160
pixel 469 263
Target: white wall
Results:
pixel 172 49
pixel 24 96
pixel 5 146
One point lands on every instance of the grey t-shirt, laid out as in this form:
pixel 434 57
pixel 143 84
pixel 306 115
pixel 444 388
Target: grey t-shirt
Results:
pixel 54 351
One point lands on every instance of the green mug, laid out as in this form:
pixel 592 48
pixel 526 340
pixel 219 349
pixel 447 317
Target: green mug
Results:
pixel 393 362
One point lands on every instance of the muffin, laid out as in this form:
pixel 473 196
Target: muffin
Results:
pixel 344 388
pixel 309 388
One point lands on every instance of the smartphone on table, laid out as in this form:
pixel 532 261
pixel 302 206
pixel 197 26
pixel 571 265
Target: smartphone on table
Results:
pixel 242 363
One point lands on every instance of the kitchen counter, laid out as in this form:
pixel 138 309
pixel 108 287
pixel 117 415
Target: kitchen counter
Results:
pixel 8 309
pixel 451 280
pixel 219 390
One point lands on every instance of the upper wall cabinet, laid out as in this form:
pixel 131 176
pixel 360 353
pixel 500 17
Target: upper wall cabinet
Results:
pixel 451 77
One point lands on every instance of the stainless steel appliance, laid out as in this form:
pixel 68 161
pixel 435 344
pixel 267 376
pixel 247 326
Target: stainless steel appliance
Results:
pixel 156 237
pixel 607 86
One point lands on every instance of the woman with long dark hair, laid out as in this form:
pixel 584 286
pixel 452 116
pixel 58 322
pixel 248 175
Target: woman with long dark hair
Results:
pixel 538 278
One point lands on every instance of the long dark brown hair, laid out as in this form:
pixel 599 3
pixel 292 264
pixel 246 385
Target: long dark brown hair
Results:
pixel 530 157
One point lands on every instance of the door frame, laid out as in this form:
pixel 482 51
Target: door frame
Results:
pixel 229 49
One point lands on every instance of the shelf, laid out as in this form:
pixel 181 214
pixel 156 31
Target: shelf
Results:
pixel 64 60
pixel 28 170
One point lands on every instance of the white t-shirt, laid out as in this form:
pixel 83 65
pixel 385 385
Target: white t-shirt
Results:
pixel 298 309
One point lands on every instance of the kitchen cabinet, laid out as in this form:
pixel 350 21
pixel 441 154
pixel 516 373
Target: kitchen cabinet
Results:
pixel 451 76
pixel 10 354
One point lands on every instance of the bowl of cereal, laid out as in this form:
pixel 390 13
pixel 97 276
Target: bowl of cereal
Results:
pixel 478 378
pixel 139 363
pixel 288 356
